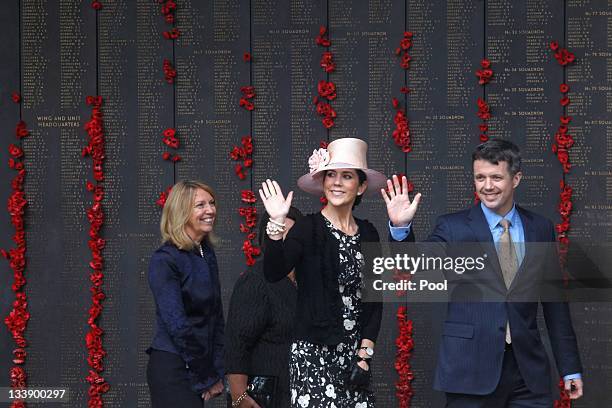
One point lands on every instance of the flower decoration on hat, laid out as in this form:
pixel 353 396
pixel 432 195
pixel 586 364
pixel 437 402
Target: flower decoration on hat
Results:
pixel 318 160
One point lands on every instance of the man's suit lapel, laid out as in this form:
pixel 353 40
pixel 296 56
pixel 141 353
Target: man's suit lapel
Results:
pixel 480 227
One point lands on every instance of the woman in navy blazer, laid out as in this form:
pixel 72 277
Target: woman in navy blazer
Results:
pixel 186 356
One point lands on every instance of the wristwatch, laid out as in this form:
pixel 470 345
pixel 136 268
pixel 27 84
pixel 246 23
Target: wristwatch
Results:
pixel 369 351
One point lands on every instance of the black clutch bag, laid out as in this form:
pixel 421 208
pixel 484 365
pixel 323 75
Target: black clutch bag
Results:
pixel 358 377
pixel 262 388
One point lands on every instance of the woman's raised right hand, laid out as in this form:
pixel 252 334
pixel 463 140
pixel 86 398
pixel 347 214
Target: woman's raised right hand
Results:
pixel 274 201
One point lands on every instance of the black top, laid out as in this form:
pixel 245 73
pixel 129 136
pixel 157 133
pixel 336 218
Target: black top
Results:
pixel 259 328
pixel 310 248
pixel 189 312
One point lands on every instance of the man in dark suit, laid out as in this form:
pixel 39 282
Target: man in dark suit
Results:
pixel 491 354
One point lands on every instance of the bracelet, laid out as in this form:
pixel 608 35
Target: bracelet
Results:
pixel 277 223
pixel 239 400
pixel 274 229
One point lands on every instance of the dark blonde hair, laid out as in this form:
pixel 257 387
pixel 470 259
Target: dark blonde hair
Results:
pixel 177 211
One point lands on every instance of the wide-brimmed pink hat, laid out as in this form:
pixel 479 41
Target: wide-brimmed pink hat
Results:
pixel 345 153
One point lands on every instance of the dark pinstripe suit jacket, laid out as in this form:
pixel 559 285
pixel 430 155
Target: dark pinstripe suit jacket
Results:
pixel 473 335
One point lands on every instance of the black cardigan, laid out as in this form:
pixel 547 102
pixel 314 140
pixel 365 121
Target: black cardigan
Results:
pixel 310 248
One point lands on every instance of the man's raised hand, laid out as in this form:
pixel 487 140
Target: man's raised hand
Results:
pixel 400 209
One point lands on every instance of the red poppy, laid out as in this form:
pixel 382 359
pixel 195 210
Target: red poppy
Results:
pixel 247 143
pixel 176 158
pixel 323 144
pixel 248 196
pixel 172 34
pixel 485 63
pixel 408 34
pixel 96 5
pixel 171 142
pixel 169 18
pixel 21 131
pixel 246 57
pixel 405 43
pixel 248 91
pixel 248 162
pixel 328 123
pixel 565 120
pixel 236 153
pixel 483 138
pixel 246 104
pixel 564 101
pixel 404 89
pixel 321 38
pixel 16 97
pixel 554 45
pixel 483 127
pixel 324 109
pixel 327 62
pixel 238 171
pixel 15 151
pixel 166 156
pixel 564 88
pixel 327 90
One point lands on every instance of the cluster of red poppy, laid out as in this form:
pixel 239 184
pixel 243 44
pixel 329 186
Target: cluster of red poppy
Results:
pixel 248 93
pixel 484 111
pixel 326 89
pixel 405 344
pixel 563 140
pixel 247 227
pixel 562 55
pixel 562 143
pixel 167 9
pixel 163 196
pixel 486 73
pixel 565 210
pixel 243 154
pixel 95 216
pixel 18 317
pixel 169 71
pixel 402 50
pixel 401 133
pixel 169 138
pixel 402 139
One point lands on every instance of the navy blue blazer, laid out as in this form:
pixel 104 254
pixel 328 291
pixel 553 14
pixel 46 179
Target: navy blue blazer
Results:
pixel 473 335
pixel 189 311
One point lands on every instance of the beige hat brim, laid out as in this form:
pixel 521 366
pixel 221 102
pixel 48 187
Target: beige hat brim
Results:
pixel 312 183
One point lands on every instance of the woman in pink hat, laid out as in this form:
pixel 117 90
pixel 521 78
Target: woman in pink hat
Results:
pixel 335 332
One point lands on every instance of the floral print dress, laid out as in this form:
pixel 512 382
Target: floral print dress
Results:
pixel 318 372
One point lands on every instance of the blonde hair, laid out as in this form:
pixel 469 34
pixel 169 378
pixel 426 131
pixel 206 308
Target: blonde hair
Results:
pixel 177 211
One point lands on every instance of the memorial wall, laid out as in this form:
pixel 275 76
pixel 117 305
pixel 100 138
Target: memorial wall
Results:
pixel 57 53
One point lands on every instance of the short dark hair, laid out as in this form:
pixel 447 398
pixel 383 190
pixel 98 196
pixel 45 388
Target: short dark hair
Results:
pixel 499 150
pixel 362 178
pixel 294 214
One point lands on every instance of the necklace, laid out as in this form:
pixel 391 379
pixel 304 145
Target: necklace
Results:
pixel 201 251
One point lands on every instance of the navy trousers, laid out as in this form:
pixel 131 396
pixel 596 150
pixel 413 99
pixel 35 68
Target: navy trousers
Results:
pixel 168 381
pixel 511 392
